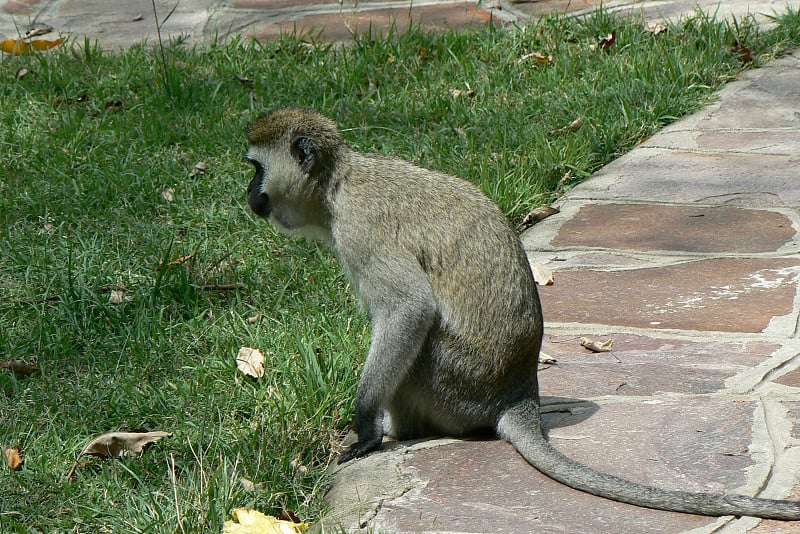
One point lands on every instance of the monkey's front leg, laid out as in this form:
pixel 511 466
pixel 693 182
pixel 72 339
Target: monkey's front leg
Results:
pixel 402 311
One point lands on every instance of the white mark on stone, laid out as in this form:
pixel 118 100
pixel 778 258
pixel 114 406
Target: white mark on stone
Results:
pixel 761 280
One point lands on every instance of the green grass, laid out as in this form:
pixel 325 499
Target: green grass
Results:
pixel 82 212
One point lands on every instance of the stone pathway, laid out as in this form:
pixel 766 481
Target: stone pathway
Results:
pixel 120 24
pixel 685 252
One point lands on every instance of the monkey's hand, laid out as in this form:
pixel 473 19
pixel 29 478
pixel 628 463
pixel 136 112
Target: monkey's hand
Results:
pixel 360 448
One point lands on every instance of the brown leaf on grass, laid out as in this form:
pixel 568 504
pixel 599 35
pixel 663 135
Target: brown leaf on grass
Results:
pixel 574 126
pixel 606 42
pixel 741 52
pixel 20 47
pixel 13 458
pixel 177 261
pixel 469 91
pixel 20 367
pixel 22 72
pixel 656 28
pixel 118 296
pixel 250 362
pixel 537 214
pixel 538 57
pixel 199 168
pixel 424 54
pixel 60 101
pixel 597 346
pixel 567 178
pixel 118 444
pixel 244 80
pixel 289 515
pixel 249 485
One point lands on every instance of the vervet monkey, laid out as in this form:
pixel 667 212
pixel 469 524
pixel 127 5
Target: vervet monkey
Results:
pixel 456 320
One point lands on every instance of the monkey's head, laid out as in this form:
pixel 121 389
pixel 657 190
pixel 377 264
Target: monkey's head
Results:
pixel 294 152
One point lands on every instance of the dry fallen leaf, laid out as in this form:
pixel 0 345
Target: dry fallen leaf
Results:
pixel 18 48
pixel 741 52
pixel 118 444
pixel 22 72
pixel 250 362
pixel 567 178
pixel 606 42
pixel 246 521
pixel 118 296
pixel 253 319
pixel 244 80
pixel 538 57
pixel 168 194
pixel 13 458
pixel 199 168
pixel 574 126
pixel 249 485
pixel 177 261
pixel 20 367
pixel 597 346
pixel 537 214
pixel 114 105
pixel 541 274
pixel 84 97
pixel 546 359
pixel 458 92
pixel 36 32
pixel 656 28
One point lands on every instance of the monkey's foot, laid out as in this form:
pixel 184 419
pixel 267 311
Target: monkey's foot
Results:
pixel 359 449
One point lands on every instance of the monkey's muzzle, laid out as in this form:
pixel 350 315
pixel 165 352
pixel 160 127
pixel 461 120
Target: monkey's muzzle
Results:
pixel 258 200
pixel 259 203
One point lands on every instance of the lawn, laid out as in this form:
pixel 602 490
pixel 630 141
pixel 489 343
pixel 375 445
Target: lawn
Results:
pixel 131 270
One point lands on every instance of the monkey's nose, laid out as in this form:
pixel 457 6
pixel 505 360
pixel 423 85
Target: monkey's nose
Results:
pixel 259 203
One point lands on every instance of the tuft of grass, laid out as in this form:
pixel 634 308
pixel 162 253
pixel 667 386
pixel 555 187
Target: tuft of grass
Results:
pixel 92 142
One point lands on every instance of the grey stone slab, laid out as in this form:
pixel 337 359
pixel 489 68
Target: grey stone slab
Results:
pixel 662 175
pixel 642 365
pixel 130 22
pixel 727 295
pixel 667 9
pixel 769 142
pixel 652 227
pixel 559 260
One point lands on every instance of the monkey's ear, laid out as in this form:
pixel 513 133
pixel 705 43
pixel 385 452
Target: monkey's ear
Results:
pixel 305 151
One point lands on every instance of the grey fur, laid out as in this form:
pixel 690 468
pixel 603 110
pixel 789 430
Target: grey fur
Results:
pixel 456 320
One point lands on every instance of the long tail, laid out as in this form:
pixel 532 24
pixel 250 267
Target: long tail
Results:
pixel 521 427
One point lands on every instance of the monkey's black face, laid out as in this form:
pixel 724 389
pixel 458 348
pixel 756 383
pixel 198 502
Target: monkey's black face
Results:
pixel 256 198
